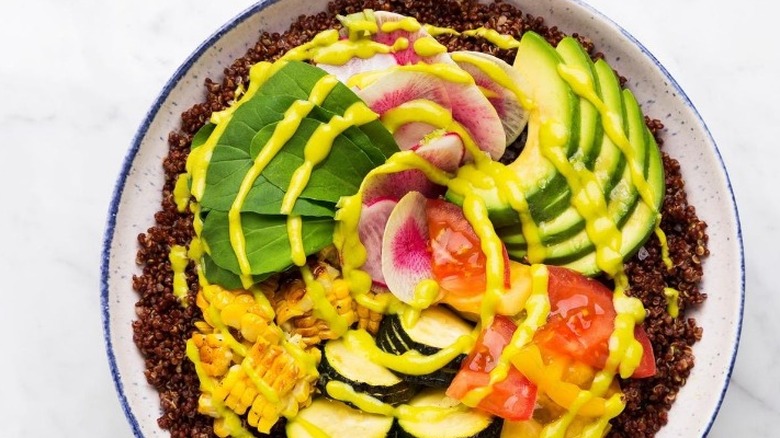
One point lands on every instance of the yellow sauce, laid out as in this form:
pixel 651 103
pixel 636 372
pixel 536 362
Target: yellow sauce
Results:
pixel 428 46
pixel 323 308
pixel 181 192
pixel 411 362
pixel 672 301
pixel 295 235
pixel 319 145
pixel 494 37
pixel 179 261
pixel 406 24
pixel 497 75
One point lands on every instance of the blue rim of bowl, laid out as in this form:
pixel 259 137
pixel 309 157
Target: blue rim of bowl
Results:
pixel 243 16
pixel 119 188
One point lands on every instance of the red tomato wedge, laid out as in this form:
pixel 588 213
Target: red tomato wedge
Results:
pixel 582 319
pixel 458 260
pixel 512 399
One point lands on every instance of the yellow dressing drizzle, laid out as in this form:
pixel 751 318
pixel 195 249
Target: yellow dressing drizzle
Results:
pixel 181 192
pixel 231 422
pixel 198 160
pixel 582 84
pixel 179 261
pixel 429 112
pixel 496 74
pixel 411 362
pixel 425 293
pixel 295 235
pixel 494 37
pixel 407 24
pixel 428 46
pixel 323 308
pixel 436 30
pixel 672 301
pixel 366 403
pixel 319 146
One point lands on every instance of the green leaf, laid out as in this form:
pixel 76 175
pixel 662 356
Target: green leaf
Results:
pixel 355 152
pixel 267 244
pixel 202 135
pixel 223 277
pixel 228 168
pixel 338 175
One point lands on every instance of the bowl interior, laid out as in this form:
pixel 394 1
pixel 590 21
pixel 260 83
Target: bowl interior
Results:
pixel 137 197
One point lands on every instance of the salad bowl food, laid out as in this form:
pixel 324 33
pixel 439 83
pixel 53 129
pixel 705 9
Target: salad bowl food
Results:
pixel 422 219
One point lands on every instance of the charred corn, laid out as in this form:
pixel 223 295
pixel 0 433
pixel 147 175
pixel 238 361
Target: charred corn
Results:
pixel 247 365
pixel 317 307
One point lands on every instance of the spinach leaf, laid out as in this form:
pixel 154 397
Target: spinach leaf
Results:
pixel 267 244
pixel 227 169
pixel 202 135
pixel 339 174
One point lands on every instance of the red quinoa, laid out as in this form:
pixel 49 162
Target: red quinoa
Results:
pixel 163 325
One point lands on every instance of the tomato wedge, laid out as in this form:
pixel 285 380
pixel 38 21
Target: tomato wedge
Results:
pixel 458 260
pixel 582 319
pixel 514 398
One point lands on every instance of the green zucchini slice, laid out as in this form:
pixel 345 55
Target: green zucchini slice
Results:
pixel 333 418
pixel 353 367
pixel 452 421
pixel 436 328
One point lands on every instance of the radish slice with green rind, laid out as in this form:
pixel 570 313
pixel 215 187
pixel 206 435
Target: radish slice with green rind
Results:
pixel 406 257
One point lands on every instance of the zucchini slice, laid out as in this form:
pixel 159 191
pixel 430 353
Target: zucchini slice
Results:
pixel 353 367
pixel 333 418
pixel 452 421
pixel 436 328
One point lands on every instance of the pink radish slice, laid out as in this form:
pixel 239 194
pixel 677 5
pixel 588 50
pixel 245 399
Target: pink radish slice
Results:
pixel 399 87
pixel 371 228
pixel 474 111
pixel 513 116
pixel 445 152
pixel 396 185
pixel 406 258
pixel 409 135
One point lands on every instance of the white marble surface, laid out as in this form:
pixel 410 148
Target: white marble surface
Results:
pixel 77 77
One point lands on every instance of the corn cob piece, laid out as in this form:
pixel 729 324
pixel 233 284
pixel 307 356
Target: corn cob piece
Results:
pixel 295 311
pixel 215 355
pixel 248 366
pixel 368 319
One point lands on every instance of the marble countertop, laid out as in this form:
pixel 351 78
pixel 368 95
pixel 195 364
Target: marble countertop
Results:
pixel 77 78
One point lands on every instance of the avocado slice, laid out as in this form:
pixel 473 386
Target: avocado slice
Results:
pixel 588 147
pixel 554 122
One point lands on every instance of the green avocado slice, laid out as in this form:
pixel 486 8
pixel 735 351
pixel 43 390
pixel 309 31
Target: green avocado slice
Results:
pixel 561 226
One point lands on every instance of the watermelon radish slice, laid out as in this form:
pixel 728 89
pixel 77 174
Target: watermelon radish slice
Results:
pixel 398 87
pixel 474 111
pixel 513 116
pixel 409 135
pixel 396 185
pixel 445 151
pixel 371 229
pixel 406 258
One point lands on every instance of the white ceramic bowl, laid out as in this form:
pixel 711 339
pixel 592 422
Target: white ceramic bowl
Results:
pixel 137 197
